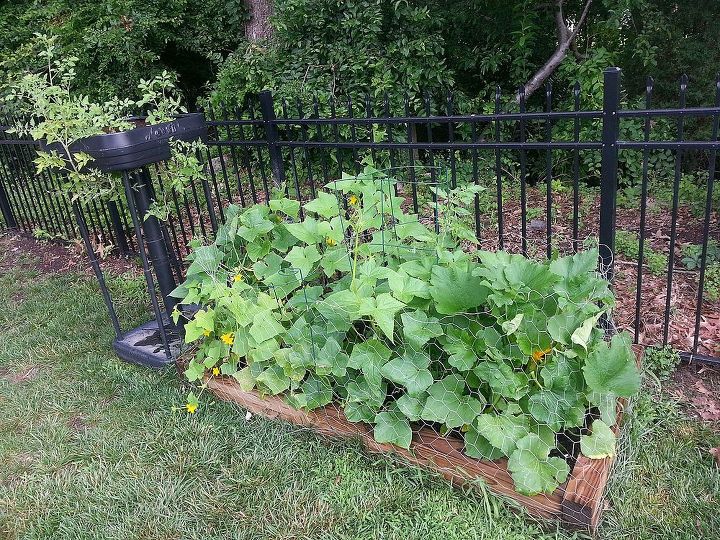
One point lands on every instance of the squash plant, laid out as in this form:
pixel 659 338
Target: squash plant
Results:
pixel 361 304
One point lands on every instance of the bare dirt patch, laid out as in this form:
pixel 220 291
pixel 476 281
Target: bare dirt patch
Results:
pixel 697 388
pixel 79 423
pixel 26 374
pixel 24 251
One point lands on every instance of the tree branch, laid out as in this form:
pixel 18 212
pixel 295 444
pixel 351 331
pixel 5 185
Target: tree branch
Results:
pixel 565 43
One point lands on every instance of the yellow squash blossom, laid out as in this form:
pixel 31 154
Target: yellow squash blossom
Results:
pixel 539 355
pixel 191 407
pixel 238 277
pixel 228 338
pixel 353 200
pixel 215 371
pixel 206 333
pixel 330 241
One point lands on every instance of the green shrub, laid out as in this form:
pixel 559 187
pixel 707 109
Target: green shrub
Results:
pixel 628 244
pixel 661 361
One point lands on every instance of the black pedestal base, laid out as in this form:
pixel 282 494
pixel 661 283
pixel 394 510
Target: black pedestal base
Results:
pixel 143 345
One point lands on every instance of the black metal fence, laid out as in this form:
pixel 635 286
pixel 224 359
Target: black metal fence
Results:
pixel 553 179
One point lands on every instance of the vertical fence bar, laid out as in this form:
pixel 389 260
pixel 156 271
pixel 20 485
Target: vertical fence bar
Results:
pixel 498 172
pixel 643 211
pixel 450 104
pixel 548 172
pixel 675 204
pixel 293 163
pixel 608 169
pixel 271 134
pixel 706 222
pixel 411 137
pixel 576 168
pixel 5 208
pixel 523 174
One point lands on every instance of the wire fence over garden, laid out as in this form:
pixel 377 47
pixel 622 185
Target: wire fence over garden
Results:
pixel 548 182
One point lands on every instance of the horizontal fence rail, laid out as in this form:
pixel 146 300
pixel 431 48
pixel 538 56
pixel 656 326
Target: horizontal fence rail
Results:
pixel 553 180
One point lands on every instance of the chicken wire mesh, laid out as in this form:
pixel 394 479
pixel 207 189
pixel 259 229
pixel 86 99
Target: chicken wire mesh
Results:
pixel 394 316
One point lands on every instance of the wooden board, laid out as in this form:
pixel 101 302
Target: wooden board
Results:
pixel 578 502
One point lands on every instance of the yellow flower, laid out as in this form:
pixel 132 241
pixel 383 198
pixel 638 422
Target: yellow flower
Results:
pixel 538 355
pixel 330 241
pixel 238 277
pixel 191 407
pixel 215 371
pixel 206 333
pixel 353 200
pixel 228 338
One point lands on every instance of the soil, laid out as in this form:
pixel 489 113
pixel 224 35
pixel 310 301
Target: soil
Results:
pixel 21 250
pixel 27 374
pixel 697 388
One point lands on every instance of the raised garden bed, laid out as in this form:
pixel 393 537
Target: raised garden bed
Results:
pixel 579 502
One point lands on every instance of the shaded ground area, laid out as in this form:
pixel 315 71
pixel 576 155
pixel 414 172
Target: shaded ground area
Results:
pixel 96 449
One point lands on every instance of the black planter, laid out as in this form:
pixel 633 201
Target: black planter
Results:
pixel 134 148
pixel 129 152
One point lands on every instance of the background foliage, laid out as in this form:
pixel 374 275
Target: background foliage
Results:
pixel 344 48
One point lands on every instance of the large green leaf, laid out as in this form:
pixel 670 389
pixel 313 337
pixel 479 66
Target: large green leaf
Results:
pixel 503 379
pixel 455 290
pixel 478 447
pixel 600 443
pixel 255 222
pixel 204 321
pixel 362 390
pixel 369 357
pixel 206 259
pixel 557 409
pixel 310 230
pixel 448 404
pixel 325 205
pixel 405 287
pixel 265 326
pixel 613 369
pixel 418 328
pixel 340 309
pixel 459 343
pixel 336 259
pixel 502 431
pixel 392 427
pixel 289 207
pixel 274 379
pixel 303 259
pixel 383 310
pixel 317 392
pixel 409 370
pixel 577 265
pixel 532 468
pixel 410 227
pixel 411 406
pixel 330 359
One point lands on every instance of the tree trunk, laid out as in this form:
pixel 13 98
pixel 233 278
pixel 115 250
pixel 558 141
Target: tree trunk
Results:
pixel 258 27
pixel 565 41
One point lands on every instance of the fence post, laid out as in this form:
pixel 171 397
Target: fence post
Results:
pixel 271 134
pixel 609 168
pixel 6 209
pixel 118 228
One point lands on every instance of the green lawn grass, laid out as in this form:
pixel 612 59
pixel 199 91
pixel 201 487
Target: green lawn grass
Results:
pixel 91 447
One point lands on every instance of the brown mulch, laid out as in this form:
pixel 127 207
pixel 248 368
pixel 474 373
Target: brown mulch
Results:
pixel 22 250
pixel 697 388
